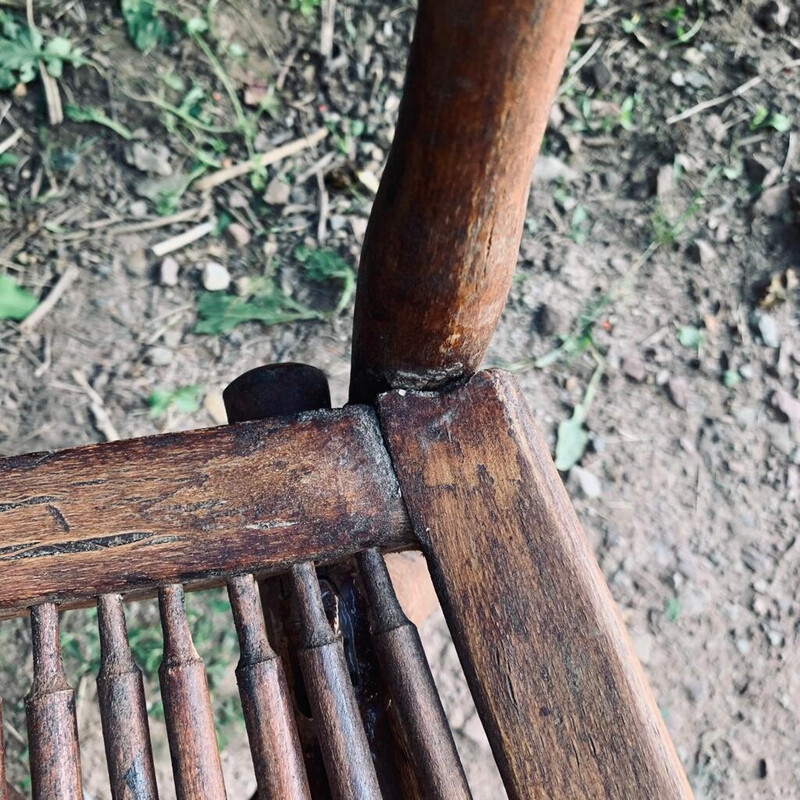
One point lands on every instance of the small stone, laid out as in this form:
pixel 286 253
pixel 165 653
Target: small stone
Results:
pixel 216 278
pixel 634 368
pixel 678 391
pixel 136 263
pixel 705 252
pixel 549 169
pixel 643 647
pixel 597 74
pixel 773 15
pixel 768 328
pixel 788 406
pixel 215 406
pixel 278 192
pixel 588 482
pixel 338 222
pixel 238 199
pixel 154 159
pixel 168 273
pixel 359 226
pixel 138 209
pixel 775 201
pixel 159 356
pixel 172 338
pixel 238 235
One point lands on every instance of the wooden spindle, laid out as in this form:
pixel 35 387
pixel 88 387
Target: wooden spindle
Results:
pixel 50 711
pixel 268 715
pixel 406 672
pixel 123 711
pixel 345 751
pixel 187 706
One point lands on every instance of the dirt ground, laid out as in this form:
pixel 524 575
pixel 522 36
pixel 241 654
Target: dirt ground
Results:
pixel 658 273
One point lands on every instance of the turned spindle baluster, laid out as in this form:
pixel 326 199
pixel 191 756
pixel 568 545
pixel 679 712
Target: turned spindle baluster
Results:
pixel 268 715
pixel 406 672
pixel 341 733
pixel 123 711
pixel 187 706
pixel 50 711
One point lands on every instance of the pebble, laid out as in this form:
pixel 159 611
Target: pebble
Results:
pixel 238 235
pixel 775 201
pixel 789 406
pixel 216 278
pixel 588 482
pixel 768 328
pixel 238 199
pixel 168 274
pixel 278 192
pixel 138 209
pixel 643 647
pixel 678 391
pixel 159 356
pixel 136 263
pixel 154 159
pixel 634 368
pixel 705 252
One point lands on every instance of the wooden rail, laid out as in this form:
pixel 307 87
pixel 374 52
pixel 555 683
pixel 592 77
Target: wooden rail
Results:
pixel 253 497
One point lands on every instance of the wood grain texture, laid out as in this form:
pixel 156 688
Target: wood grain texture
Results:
pixel 50 712
pixel 192 738
pixel 268 715
pixel 420 716
pixel 257 496
pixel 123 710
pixel 345 749
pixel 562 697
pixel 445 228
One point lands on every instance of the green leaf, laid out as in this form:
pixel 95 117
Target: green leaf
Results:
pixel 691 337
pixel 325 265
pixel 572 440
pixel 196 25
pixel 672 609
pixel 97 116
pixel 185 399
pixel 145 28
pixel 780 122
pixel 59 47
pixel 731 378
pixel 15 302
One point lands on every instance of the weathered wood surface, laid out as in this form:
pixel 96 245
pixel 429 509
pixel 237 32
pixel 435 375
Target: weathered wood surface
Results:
pixel 50 712
pixel 123 709
pixel 563 699
pixel 345 749
pixel 268 715
pixel 192 738
pixel 444 232
pixel 257 497
pixel 425 731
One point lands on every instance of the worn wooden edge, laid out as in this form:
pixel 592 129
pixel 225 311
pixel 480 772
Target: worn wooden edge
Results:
pixel 195 507
pixel 563 699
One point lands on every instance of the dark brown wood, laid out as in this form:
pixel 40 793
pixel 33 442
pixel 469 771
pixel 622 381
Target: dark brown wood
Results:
pixel 187 706
pixel 345 749
pixel 279 389
pixel 254 497
pixel 268 715
pixel 443 236
pixel 123 710
pixel 562 697
pixel 50 711
pixel 416 699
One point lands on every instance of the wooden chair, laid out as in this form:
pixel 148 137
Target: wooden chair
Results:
pixel 337 695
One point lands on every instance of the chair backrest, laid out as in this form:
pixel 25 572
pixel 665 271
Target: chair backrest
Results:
pixel 429 456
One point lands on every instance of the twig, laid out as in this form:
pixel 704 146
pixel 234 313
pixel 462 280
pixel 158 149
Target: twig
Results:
pixel 182 239
pixel 715 101
pixel 260 160
pixel 101 418
pixel 97 228
pixel 318 166
pixel 322 225
pixel 8 143
pixel 46 306
pixel 326 29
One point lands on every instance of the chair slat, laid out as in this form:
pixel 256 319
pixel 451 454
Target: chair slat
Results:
pixel 187 706
pixel 123 710
pixel 413 691
pixel 268 715
pixel 345 751
pixel 50 711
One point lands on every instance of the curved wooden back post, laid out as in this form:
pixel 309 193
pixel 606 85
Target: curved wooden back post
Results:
pixel 443 236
